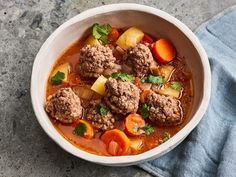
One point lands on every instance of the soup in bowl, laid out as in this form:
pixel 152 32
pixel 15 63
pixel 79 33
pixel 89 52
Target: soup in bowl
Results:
pixel 106 87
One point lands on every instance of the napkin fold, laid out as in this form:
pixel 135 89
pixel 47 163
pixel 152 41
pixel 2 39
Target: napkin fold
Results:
pixel 210 150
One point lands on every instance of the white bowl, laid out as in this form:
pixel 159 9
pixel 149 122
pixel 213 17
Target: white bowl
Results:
pixel 151 20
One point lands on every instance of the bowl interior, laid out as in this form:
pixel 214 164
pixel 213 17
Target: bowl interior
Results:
pixel 71 32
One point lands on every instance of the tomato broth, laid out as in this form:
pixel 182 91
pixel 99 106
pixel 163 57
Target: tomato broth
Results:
pixel 95 145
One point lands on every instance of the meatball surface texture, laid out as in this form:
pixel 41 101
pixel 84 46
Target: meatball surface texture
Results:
pixel 121 97
pixel 64 105
pixel 94 60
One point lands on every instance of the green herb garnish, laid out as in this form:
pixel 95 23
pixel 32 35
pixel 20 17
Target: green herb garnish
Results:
pixel 143 79
pixel 123 76
pixel 156 79
pixel 58 78
pixel 80 129
pixel 102 110
pixel 145 110
pixel 176 85
pixel 166 138
pixel 148 129
pixel 135 129
pixel 101 32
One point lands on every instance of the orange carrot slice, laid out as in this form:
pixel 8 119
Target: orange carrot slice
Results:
pixel 134 124
pixel 164 51
pixel 118 137
pixel 86 129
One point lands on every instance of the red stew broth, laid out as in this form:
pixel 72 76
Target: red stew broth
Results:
pixel 95 145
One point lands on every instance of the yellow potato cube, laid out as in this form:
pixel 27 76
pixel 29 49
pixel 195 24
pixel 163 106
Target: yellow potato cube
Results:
pixel 99 85
pixel 91 40
pixel 65 68
pixel 130 38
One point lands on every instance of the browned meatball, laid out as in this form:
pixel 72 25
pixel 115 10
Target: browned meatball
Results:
pixel 121 97
pixel 64 105
pixel 139 58
pixel 100 121
pixel 164 110
pixel 95 59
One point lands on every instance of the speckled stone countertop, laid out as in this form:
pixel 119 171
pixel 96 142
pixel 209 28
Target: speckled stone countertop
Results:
pixel 25 150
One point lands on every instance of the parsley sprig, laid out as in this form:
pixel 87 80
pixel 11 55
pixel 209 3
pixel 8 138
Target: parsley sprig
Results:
pixel 153 79
pixel 148 129
pixel 176 85
pixel 102 110
pixel 156 79
pixel 101 32
pixel 166 138
pixel 145 110
pixel 123 76
pixel 58 78
pixel 80 129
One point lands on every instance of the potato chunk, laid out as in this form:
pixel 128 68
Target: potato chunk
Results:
pixel 167 90
pixel 99 85
pixel 130 38
pixel 65 68
pixel 91 40
pixel 163 70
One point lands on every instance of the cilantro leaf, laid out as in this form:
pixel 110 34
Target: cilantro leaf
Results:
pixel 57 78
pixel 123 76
pixel 143 79
pixel 176 85
pixel 102 110
pixel 101 32
pixel 145 110
pixel 80 129
pixel 135 129
pixel 166 138
pixel 156 79
pixel 148 129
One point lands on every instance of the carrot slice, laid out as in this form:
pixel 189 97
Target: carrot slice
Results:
pixel 164 51
pixel 88 131
pixel 134 124
pixel 113 35
pixel 147 39
pixel 144 95
pixel 120 138
pixel 113 148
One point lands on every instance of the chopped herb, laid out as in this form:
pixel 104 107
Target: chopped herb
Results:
pixel 166 138
pixel 80 129
pixel 148 129
pixel 145 110
pixel 176 85
pixel 115 75
pixel 101 32
pixel 102 110
pixel 143 79
pixel 123 76
pixel 135 129
pixel 57 78
pixel 156 79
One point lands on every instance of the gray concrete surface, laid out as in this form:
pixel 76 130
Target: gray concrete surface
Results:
pixel 25 150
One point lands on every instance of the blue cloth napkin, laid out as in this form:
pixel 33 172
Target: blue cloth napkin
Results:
pixel 210 150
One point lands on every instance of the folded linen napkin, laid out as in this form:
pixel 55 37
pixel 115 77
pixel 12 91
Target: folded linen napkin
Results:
pixel 210 150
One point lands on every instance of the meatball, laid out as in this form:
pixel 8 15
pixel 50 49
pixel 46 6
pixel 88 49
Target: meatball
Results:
pixel 139 58
pixel 102 122
pixel 94 60
pixel 121 97
pixel 64 105
pixel 164 110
